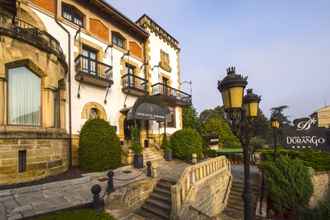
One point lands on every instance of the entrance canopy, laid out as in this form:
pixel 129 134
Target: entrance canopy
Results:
pixel 148 108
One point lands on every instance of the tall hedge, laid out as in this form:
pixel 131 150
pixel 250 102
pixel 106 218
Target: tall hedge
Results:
pixel 99 146
pixel 289 184
pixel 185 142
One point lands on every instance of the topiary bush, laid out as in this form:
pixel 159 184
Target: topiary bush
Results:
pixel 289 184
pixel 99 146
pixel 185 142
pixel 136 146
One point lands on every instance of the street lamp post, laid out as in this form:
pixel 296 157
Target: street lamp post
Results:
pixel 241 111
pixel 275 126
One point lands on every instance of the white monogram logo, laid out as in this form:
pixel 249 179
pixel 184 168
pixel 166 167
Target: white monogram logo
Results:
pixel 306 125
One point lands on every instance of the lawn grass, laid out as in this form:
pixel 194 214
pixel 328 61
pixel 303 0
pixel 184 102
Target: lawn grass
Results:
pixel 78 214
pixel 230 150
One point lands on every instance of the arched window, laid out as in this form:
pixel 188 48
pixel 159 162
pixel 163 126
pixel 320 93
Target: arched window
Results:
pixel 118 40
pixel 24 97
pixel 72 14
pixel 93 113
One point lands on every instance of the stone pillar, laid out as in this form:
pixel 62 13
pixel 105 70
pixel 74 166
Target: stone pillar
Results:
pixel 2 102
pixel 47 108
pixel 62 108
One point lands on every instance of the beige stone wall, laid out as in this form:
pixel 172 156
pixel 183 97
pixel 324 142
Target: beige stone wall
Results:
pixel 208 197
pixel 324 117
pixel 131 196
pixel 46 154
pixel 321 181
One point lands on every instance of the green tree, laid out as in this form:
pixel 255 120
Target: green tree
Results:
pixel 216 124
pixel 185 142
pixel 281 116
pixel 289 184
pixel 189 117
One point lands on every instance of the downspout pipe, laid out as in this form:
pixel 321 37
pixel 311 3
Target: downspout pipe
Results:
pixel 69 85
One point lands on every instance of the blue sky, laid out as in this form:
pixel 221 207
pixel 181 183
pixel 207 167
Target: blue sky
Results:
pixel 283 46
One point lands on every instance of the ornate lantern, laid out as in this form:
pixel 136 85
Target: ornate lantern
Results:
pixel 251 104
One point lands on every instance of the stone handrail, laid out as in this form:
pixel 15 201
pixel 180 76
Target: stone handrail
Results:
pixel 192 175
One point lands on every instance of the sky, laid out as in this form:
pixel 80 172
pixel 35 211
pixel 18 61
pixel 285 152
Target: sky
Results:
pixel 283 47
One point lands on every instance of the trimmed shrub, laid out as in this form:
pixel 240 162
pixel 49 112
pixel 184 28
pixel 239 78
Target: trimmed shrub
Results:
pixel 289 184
pixel 136 146
pixel 185 142
pixel 99 146
pixel 318 160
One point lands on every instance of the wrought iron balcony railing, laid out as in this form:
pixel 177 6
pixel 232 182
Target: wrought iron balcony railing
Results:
pixel 171 94
pixel 92 71
pixel 23 31
pixel 134 85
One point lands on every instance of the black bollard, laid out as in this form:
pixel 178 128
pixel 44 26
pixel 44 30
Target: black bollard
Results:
pixel 98 202
pixel 149 168
pixel 110 187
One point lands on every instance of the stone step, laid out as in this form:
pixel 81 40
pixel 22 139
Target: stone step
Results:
pixel 171 182
pixel 147 215
pixel 164 185
pixel 239 208
pixel 161 197
pixel 156 211
pixel 162 191
pixel 160 204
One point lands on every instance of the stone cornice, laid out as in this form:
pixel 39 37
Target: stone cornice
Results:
pixel 147 23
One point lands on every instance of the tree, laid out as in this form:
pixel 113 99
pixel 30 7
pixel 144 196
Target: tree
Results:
pixel 279 113
pixel 216 124
pixel 218 111
pixel 262 129
pixel 189 117
pixel 289 184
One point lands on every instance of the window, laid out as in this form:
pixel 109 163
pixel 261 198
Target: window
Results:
pixel 130 71
pixel 166 88
pixel 70 13
pixel 171 119
pixel 89 60
pixel 118 40
pixel 21 161
pixel 165 61
pixel 24 94
pixel 93 113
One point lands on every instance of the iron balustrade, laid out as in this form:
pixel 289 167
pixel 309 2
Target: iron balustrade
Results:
pixel 130 81
pixel 94 68
pixel 24 31
pixel 165 90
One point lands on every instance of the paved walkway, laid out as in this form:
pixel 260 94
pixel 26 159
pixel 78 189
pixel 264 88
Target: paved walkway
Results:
pixel 39 199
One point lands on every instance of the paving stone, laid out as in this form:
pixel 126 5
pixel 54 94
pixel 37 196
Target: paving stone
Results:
pixel 28 213
pixel 4 198
pixel 22 208
pixel 9 205
pixel 28 198
pixel 28 189
pixel 5 193
pixel 15 216
pixel 2 212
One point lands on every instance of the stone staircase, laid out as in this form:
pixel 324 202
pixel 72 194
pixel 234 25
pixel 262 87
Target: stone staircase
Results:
pixel 235 204
pixel 152 154
pixel 158 205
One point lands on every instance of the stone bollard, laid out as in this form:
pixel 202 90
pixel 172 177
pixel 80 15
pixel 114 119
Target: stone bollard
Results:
pixel 110 187
pixel 130 157
pixel 194 158
pixel 154 170
pixel 149 168
pixel 98 202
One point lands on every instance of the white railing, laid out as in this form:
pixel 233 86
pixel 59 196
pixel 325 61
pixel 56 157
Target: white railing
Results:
pixel 193 175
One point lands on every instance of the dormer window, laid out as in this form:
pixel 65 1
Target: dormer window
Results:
pixel 118 40
pixel 73 15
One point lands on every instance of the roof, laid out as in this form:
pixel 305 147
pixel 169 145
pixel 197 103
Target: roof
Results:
pixel 145 20
pixel 118 17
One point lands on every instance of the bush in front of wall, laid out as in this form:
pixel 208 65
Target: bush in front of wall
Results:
pixel 99 146
pixel 289 184
pixel 136 146
pixel 185 142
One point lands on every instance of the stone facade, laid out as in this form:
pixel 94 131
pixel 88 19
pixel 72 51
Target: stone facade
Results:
pixel 321 181
pixel 43 148
pixel 46 154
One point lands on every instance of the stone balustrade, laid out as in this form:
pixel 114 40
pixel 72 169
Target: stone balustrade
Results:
pixel 195 175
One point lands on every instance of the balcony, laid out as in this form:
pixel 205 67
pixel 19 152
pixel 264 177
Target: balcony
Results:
pixel 93 72
pixel 23 31
pixel 171 95
pixel 134 85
